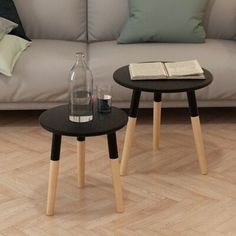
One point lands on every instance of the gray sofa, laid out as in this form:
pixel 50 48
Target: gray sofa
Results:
pixel 60 28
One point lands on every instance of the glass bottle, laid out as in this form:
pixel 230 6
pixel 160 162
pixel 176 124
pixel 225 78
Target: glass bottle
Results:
pixel 80 91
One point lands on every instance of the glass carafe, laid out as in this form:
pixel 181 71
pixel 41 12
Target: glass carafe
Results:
pixel 80 91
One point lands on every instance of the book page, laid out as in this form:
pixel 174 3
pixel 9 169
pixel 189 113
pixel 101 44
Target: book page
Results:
pixel 184 68
pixel 142 71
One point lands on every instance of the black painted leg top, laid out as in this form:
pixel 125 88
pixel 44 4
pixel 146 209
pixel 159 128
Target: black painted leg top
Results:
pixel 157 97
pixel 56 147
pixel 112 146
pixel 192 104
pixel 133 112
pixel 80 139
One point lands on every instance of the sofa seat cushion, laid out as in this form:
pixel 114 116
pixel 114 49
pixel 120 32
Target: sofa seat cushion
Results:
pixel 41 73
pixel 218 56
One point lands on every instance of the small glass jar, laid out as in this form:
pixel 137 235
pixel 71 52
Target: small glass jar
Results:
pixel 104 98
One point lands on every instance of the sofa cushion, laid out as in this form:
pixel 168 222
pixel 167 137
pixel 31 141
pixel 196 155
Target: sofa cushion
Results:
pixel 11 47
pixel 106 23
pixel 8 11
pixel 41 73
pixel 54 19
pixel 220 21
pixel 155 21
pixel 218 56
pixel 6 26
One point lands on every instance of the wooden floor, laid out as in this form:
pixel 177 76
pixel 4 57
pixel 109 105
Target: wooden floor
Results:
pixel 164 193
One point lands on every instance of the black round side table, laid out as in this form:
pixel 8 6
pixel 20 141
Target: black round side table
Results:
pixel 122 77
pixel 56 121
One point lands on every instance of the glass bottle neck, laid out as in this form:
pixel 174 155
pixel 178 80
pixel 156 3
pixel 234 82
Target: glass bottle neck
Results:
pixel 80 58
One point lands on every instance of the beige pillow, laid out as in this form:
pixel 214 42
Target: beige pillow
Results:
pixel 11 48
pixel 6 26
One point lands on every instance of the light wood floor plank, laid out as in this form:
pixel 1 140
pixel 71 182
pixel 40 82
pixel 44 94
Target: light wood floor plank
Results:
pixel 164 194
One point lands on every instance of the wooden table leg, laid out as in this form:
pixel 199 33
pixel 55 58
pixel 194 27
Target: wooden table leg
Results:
pixel 81 161
pixel 130 131
pixel 129 136
pixel 115 167
pixel 156 121
pixel 53 174
pixel 197 132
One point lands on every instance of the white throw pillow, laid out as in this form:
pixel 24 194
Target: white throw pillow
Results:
pixel 6 26
pixel 11 48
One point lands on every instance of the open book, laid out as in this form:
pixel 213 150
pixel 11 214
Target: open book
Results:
pixel 170 70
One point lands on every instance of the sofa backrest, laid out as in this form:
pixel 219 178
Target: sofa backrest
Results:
pixel 220 20
pixel 107 17
pixel 53 19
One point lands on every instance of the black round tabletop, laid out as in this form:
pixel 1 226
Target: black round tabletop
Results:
pixel 56 120
pixel 122 77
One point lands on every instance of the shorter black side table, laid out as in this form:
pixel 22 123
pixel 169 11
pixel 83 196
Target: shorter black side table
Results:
pixel 122 77
pixel 56 121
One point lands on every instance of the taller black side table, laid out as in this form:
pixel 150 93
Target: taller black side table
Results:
pixel 56 121
pixel 122 77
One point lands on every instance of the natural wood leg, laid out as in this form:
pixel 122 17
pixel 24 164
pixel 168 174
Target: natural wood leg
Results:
pixel 81 163
pixel 156 125
pixel 52 187
pixel 115 167
pixel 199 144
pixel 127 145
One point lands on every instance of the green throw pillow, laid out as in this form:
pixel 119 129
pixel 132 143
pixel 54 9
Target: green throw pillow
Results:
pixel 6 26
pixel 167 21
pixel 11 48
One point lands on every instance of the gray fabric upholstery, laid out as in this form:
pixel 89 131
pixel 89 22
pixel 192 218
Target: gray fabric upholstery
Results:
pixel 53 19
pixel 220 20
pixel 40 77
pixel 121 104
pixel 218 56
pixel 41 73
pixel 107 17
